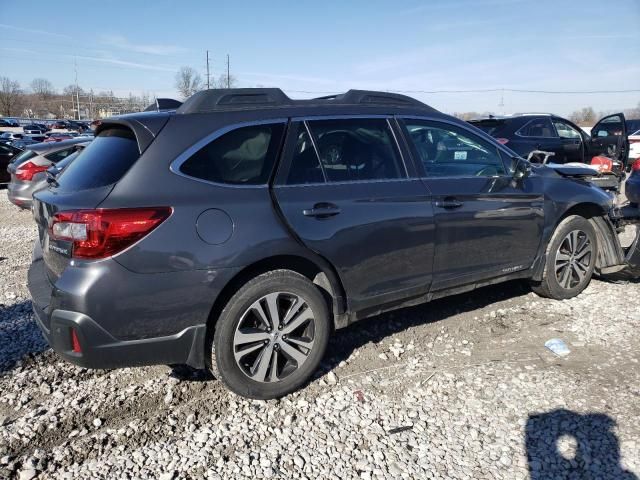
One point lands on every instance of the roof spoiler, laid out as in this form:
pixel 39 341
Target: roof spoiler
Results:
pixel 163 104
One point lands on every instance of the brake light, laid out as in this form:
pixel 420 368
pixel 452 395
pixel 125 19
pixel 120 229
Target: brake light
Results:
pixel 603 164
pixel 635 166
pixel 28 170
pixel 502 141
pixel 104 232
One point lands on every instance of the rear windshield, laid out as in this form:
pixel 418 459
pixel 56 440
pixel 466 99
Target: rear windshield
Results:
pixel 103 162
pixel 489 126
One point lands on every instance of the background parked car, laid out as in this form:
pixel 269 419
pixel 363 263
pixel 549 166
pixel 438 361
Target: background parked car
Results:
pixel 28 170
pixel 634 146
pixel 524 133
pixel 34 129
pixel 632 185
pixel 8 137
pixel 7 154
pixel 58 137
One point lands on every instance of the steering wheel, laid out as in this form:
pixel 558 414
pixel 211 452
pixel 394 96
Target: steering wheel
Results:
pixel 488 171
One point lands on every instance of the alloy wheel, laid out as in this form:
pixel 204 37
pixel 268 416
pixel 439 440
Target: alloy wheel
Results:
pixel 274 337
pixel 573 259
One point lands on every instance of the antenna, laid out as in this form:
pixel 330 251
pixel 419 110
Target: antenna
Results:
pixel 228 77
pixel 208 85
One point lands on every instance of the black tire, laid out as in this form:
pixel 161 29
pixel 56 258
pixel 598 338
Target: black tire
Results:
pixel 557 285
pixel 223 362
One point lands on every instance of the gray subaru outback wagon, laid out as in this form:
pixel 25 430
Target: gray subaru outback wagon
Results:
pixel 238 230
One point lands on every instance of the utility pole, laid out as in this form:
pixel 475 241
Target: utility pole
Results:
pixel 208 85
pixel 75 66
pixel 502 101
pixel 228 77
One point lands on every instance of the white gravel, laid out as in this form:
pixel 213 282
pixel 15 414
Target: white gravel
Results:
pixel 459 388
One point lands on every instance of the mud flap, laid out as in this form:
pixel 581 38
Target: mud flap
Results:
pixel 629 268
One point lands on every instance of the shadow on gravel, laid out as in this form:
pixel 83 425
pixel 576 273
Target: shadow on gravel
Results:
pixel 593 450
pixel 376 329
pixel 19 334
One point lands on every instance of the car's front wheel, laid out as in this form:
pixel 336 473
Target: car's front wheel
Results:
pixel 271 336
pixel 570 261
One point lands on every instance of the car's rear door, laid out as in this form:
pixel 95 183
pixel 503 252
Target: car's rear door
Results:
pixel 609 138
pixel 487 223
pixel 539 134
pixel 345 191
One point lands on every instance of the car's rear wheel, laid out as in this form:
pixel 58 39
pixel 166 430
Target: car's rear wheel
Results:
pixel 271 336
pixel 570 261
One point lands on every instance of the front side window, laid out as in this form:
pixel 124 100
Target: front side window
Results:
pixel 356 149
pixel 244 156
pixel 305 164
pixel 539 128
pixel 565 130
pixel 449 151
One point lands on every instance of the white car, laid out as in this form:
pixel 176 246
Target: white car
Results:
pixel 634 146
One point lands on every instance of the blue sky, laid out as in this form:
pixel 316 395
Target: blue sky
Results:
pixel 331 46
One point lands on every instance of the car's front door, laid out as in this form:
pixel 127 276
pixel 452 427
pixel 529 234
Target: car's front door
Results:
pixel 572 142
pixel 347 194
pixel 609 138
pixel 488 224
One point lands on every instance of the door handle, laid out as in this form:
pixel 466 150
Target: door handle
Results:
pixel 449 203
pixel 322 210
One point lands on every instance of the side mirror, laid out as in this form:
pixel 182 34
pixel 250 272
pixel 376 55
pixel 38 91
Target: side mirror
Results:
pixel 522 169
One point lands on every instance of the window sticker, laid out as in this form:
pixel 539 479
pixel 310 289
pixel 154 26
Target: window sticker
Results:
pixel 460 155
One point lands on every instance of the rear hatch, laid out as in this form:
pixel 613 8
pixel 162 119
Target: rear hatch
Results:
pixel 83 185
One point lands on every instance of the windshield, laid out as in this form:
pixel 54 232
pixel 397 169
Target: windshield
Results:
pixel 103 162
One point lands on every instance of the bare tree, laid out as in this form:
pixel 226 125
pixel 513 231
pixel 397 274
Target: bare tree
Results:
pixel 43 88
pixel 9 95
pixel 225 82
pixel 71 90
pixel 585 117
pixel 188 82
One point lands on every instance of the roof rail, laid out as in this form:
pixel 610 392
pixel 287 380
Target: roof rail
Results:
pixel 163 104
pixel 243 98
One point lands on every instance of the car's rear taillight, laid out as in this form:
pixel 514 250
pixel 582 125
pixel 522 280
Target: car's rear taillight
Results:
pixel 28 170
pixel 75 342
pixel 635 166
pixel 502 141
pixel 104 232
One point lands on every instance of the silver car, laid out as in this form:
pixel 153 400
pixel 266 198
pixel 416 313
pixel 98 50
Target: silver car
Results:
pixel 28 170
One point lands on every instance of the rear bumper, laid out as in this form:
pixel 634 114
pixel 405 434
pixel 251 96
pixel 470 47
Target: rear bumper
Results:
pixel 20 194
pixel 120 326
pixel 100 350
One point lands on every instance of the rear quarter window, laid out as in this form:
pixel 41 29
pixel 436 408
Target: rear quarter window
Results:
pixel 103 162
pixel 244 156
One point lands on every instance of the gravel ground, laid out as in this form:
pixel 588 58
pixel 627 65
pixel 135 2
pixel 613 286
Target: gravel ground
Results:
pixel 459 388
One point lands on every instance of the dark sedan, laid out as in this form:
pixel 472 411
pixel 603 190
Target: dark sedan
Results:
pixel 7 154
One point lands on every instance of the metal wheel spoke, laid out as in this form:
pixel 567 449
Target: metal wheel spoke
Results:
pixel 293 352
pixel 293 310
pixel 239 355
pixel 565 281
pixel 560 265
pixel 273 376
pixel 583 253
pixel 574 241
pixel 306 343
pixel 582 244
pixel 249 335
pixel 272 303
pixel 261 365
pixel 563 257
pixel 257 308
pixel 303 317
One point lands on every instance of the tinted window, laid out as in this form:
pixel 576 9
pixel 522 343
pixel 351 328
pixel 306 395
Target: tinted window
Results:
pixel 103 162
pixel 356 149
pixel 450 151
pixel 305 165
pixel 244 156
pixel 539 127
pixel 490 126
pixel 565 130
pixel 55 157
